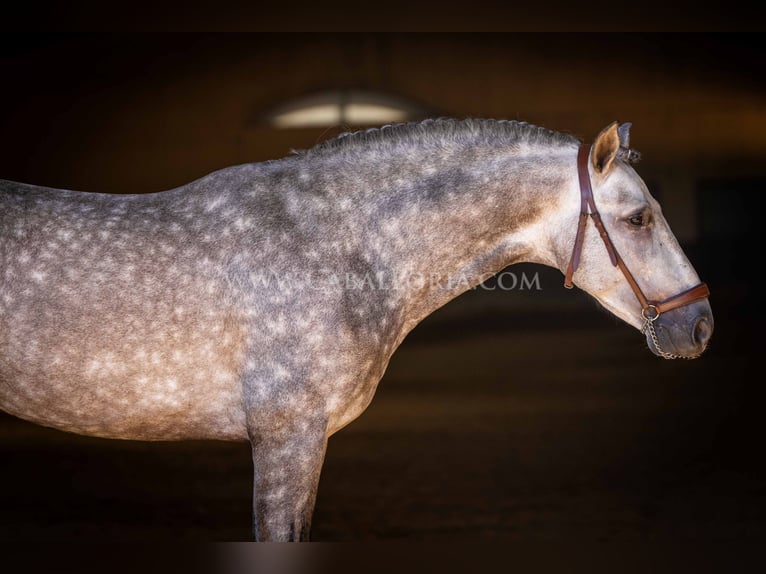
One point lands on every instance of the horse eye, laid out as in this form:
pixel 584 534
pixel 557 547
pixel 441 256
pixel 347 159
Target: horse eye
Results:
pixel 637 220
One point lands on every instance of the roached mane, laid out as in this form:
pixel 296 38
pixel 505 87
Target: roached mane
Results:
pixel 441 129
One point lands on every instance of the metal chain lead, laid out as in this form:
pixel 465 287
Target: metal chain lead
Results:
pixel 649 326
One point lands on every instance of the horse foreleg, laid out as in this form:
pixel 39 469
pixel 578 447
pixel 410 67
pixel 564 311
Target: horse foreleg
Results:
pixel 287 463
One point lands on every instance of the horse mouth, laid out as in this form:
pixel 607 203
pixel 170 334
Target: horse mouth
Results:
pixel 674 342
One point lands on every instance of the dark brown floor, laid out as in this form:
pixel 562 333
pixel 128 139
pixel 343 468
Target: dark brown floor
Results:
pixel 505 416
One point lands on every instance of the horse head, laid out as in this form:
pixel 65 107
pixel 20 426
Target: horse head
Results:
pixel 633 265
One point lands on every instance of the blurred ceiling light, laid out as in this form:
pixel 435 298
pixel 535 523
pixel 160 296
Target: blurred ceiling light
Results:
pixel 343 107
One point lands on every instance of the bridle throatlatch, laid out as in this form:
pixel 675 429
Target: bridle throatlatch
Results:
pixel 650 310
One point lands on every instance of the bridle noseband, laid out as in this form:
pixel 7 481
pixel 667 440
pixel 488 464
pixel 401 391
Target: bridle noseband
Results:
pixel 650 310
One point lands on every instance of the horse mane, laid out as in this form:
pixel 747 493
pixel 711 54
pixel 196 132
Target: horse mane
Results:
pixel 441 130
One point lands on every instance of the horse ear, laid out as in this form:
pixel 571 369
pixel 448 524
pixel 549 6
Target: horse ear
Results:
pixel 624 131
pixel 605 148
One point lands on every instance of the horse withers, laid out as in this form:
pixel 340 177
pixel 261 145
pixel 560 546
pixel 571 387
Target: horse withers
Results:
pixel 264 301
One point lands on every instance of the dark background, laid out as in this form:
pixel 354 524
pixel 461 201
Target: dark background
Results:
pixel 505 416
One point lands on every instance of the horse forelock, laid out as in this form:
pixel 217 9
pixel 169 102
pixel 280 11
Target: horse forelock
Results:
pixel 441 130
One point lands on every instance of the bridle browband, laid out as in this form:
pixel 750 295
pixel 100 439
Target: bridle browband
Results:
pixel 650 310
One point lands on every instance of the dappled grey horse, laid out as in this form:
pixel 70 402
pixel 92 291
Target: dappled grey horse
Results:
pixel 264 301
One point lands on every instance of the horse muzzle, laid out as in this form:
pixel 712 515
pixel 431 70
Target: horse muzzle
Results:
pixel 683 332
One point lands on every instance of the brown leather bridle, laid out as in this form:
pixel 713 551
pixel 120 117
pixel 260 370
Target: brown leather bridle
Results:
pixel 650 310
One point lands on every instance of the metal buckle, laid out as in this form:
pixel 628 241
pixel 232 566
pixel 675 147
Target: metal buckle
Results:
pixel 654 316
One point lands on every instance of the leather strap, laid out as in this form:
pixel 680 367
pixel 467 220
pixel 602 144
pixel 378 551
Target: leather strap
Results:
pixel 684 298
pixel 587 207
pixel 650 310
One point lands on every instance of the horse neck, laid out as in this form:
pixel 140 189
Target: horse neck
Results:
pixel 441 222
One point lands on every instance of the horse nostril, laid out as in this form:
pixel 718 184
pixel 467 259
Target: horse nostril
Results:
pixel 702 331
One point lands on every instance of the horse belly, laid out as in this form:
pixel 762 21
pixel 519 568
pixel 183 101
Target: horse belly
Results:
pixel 140 397
pixel 132 368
